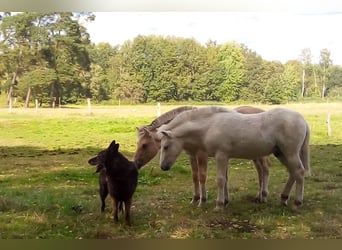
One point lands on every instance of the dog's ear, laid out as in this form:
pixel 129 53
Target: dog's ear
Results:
pixel 93 161
pixel 112 144
pixel 113 147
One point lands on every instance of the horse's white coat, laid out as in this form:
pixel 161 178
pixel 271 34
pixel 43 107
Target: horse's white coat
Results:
pixel 224 133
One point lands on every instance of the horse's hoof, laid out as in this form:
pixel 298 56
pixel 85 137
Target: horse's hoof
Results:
pixel 284 199
pixel 298 203
pixel 218 209
pixel 194 203
pixel 260 199
pixel 219 206
pixel 202 202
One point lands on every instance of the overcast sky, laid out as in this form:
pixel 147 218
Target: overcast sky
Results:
pixel 273 35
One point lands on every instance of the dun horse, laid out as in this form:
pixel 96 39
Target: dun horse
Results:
pixel 148 146
pixel 224 133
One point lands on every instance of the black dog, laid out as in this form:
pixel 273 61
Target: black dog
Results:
pixel 121 176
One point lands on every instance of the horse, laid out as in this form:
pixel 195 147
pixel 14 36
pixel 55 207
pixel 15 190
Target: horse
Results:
pixel 148 146
pixel 224 133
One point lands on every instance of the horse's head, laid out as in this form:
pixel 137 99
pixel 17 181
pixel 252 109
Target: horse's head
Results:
pixel 170 149
pixel 147 146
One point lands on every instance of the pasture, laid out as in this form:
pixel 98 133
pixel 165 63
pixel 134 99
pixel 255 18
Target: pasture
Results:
pixel 49 191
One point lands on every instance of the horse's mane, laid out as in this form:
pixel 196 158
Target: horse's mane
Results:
pixel 166 117
pixel 196 113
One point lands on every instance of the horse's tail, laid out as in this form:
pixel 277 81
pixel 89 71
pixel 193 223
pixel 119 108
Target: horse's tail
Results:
pixel 305 151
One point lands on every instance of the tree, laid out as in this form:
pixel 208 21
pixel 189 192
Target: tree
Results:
pixel 255 77
pixel 334 83
pixel 16 46
pixel 306 59
pixel 296 69
pixel 231 64
pixel 282 87
pixel 33 41
pixel 38 83
pixel 324 62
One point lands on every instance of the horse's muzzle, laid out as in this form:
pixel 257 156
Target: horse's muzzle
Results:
pixel 138 163
pixel 165 166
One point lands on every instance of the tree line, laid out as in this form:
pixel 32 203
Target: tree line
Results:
pixel 50 57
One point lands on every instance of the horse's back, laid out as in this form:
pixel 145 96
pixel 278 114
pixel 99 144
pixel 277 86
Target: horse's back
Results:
pixel 252 135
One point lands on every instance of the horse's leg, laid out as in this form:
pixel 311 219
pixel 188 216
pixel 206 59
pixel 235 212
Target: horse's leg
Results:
pixel 296 174
pixel 195 179
pixel 128 204
pixel 222 179
pixel 264 164
pixel 115 210
pixel 226 189
pixel 258 167
pixel 202 160
pixel 263 172
pixel 287 189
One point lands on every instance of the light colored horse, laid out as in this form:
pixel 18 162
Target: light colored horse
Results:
pixel 224 133
pixel 148 146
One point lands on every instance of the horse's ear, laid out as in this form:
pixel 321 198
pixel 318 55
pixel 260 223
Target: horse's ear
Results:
pixel 148 132
pixel 167 133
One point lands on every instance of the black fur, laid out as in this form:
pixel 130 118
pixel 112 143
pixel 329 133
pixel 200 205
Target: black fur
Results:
pixel 118 177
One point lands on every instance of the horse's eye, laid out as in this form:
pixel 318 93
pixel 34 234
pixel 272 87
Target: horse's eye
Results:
pixel 144 146
pixel 166 147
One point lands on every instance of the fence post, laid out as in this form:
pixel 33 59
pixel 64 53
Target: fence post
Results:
pixel 36 103
pixel 158 109
pixel 10 105
pixel 329 124
pixel 89 106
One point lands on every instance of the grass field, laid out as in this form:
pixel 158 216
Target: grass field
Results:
pixel 48 191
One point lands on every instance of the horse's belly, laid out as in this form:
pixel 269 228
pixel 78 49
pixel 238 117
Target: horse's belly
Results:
pixel 242 150
pixel 248 153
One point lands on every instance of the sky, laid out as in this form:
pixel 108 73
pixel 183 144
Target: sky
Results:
pixel 275 35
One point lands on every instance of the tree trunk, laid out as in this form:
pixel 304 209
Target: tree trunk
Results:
pixel 323 91
pixel 27 101
pixel 303 83
pixel 14 79
pixel 323 82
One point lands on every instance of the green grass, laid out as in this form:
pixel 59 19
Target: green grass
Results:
pixel 48 190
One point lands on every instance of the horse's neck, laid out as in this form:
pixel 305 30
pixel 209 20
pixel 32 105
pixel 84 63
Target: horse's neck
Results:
pixel 190 130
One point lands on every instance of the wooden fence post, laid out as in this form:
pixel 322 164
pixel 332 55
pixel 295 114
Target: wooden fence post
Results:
pixel 158 109
pixel 10 105
pixel 329 124
pixel 36 103
pixel 89 106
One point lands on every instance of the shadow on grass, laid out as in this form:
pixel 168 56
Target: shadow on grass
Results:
pixel 28 151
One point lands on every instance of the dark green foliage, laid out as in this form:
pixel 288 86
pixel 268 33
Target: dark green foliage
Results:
pixel 49 57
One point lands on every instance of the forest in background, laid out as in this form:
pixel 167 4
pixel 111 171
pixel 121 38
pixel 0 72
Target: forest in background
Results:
pixel 49 57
